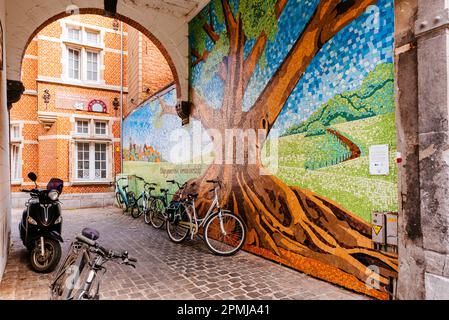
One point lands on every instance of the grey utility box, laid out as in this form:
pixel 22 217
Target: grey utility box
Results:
pixel 392 229
pixel 379 234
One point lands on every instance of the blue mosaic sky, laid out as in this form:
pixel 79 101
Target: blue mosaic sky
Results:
pixel 341 65
pixel 141 128
pixel 145 126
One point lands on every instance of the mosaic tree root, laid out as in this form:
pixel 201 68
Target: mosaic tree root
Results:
pixel 296 220
pixel 279 218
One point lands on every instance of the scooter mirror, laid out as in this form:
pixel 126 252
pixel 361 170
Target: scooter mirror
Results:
pixel 32 176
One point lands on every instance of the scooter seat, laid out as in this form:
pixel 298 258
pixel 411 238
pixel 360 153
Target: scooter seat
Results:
pixel 91 234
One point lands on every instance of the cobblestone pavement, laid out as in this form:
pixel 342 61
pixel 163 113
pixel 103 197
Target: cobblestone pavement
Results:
pixel 165 270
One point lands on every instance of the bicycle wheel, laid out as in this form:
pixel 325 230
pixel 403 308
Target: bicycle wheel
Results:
pixel 68 276
pixel 147 214
pixel 87 291
pixel 132 204
pixel 142 207
pixel 60 280
pixel 224 235
pixel 120 202
pixel 133 211
pixel 157 217
pixel 179 229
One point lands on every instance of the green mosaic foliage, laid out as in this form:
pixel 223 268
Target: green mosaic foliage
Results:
pixel 375 97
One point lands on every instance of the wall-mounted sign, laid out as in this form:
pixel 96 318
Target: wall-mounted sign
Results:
pixel 79 105
pixel 97 106
pixel 379 160
pixel 75 101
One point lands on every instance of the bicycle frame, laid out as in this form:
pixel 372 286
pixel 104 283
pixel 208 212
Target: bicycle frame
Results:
pixel 81 252
pixel 122 192
pixel 199 223
pixel 96 266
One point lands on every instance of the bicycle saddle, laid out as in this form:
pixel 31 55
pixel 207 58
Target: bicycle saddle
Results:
pixel 164 190
pixel 91 234
pixel 151 189
pixel 194 195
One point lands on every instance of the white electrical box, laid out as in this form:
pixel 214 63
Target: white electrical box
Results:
pixel 379 228
pixel 379 160
pixel 392 229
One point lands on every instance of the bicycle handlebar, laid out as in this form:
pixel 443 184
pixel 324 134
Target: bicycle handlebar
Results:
pixel 215 182
pixel 178 184
pixel 110 254
pixel 86 240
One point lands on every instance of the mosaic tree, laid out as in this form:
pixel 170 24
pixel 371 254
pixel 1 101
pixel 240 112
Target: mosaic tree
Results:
pixel 285 221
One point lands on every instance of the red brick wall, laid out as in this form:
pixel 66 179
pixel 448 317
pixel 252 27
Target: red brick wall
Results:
pixel 46 152
pixel 156 71
pixel 149 70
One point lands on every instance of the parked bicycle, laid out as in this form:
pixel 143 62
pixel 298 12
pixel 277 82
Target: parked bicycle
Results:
pixel 126 199
pixel 224 232
pixel 79 277
pixel 159 205
pixel 144 200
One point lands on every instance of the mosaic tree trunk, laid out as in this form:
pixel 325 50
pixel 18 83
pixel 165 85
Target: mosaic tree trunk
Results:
pixel 287 222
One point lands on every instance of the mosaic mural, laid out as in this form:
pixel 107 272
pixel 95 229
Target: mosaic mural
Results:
pixel 150 144
pixel 318 75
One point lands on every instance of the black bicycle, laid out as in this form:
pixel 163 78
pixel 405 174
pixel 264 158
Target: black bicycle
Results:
pixel 144 200
pixel 79 277
pixel 126 199
pixel 159 205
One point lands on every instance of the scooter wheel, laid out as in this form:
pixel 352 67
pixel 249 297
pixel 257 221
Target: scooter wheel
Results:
pixel 48 262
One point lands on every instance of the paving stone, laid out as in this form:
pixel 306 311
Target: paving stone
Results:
pixel 165 270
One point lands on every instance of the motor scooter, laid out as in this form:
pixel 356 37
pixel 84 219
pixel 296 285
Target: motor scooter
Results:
pixel 41 225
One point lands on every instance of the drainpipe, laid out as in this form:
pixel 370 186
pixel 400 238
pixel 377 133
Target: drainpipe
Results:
pixel 121 97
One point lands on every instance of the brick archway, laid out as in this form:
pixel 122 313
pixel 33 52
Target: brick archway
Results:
pixel 124 19
pixel 166 24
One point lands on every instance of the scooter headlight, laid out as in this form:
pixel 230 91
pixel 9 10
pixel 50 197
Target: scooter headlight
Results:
pixel 59 220
pixel 31 221
pixel 53 195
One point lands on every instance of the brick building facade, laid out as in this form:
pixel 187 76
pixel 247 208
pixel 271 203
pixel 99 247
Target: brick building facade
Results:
pixel 67 123
pixel 145 79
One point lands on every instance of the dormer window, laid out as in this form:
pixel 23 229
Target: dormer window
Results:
pixel 74 33
pixel 83 54
pixel 92 37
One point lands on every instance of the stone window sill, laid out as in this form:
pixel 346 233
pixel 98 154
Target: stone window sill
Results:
pixel 16 182
pixel 92 183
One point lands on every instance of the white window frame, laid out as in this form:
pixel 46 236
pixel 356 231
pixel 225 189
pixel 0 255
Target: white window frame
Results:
pixel 80 63
pixel 86 52
pixel 106 129
pixel 83 46
pixel 92 31
pixel 88 127
pixel 92 139
pixel 105 161
pixel 73 27
pixel 77 160
pixel 13 128
pixel 16 142
pixel 92 132
pixel 92 162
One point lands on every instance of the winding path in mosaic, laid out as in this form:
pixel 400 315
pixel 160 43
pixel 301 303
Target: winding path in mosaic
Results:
pixel 355 150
